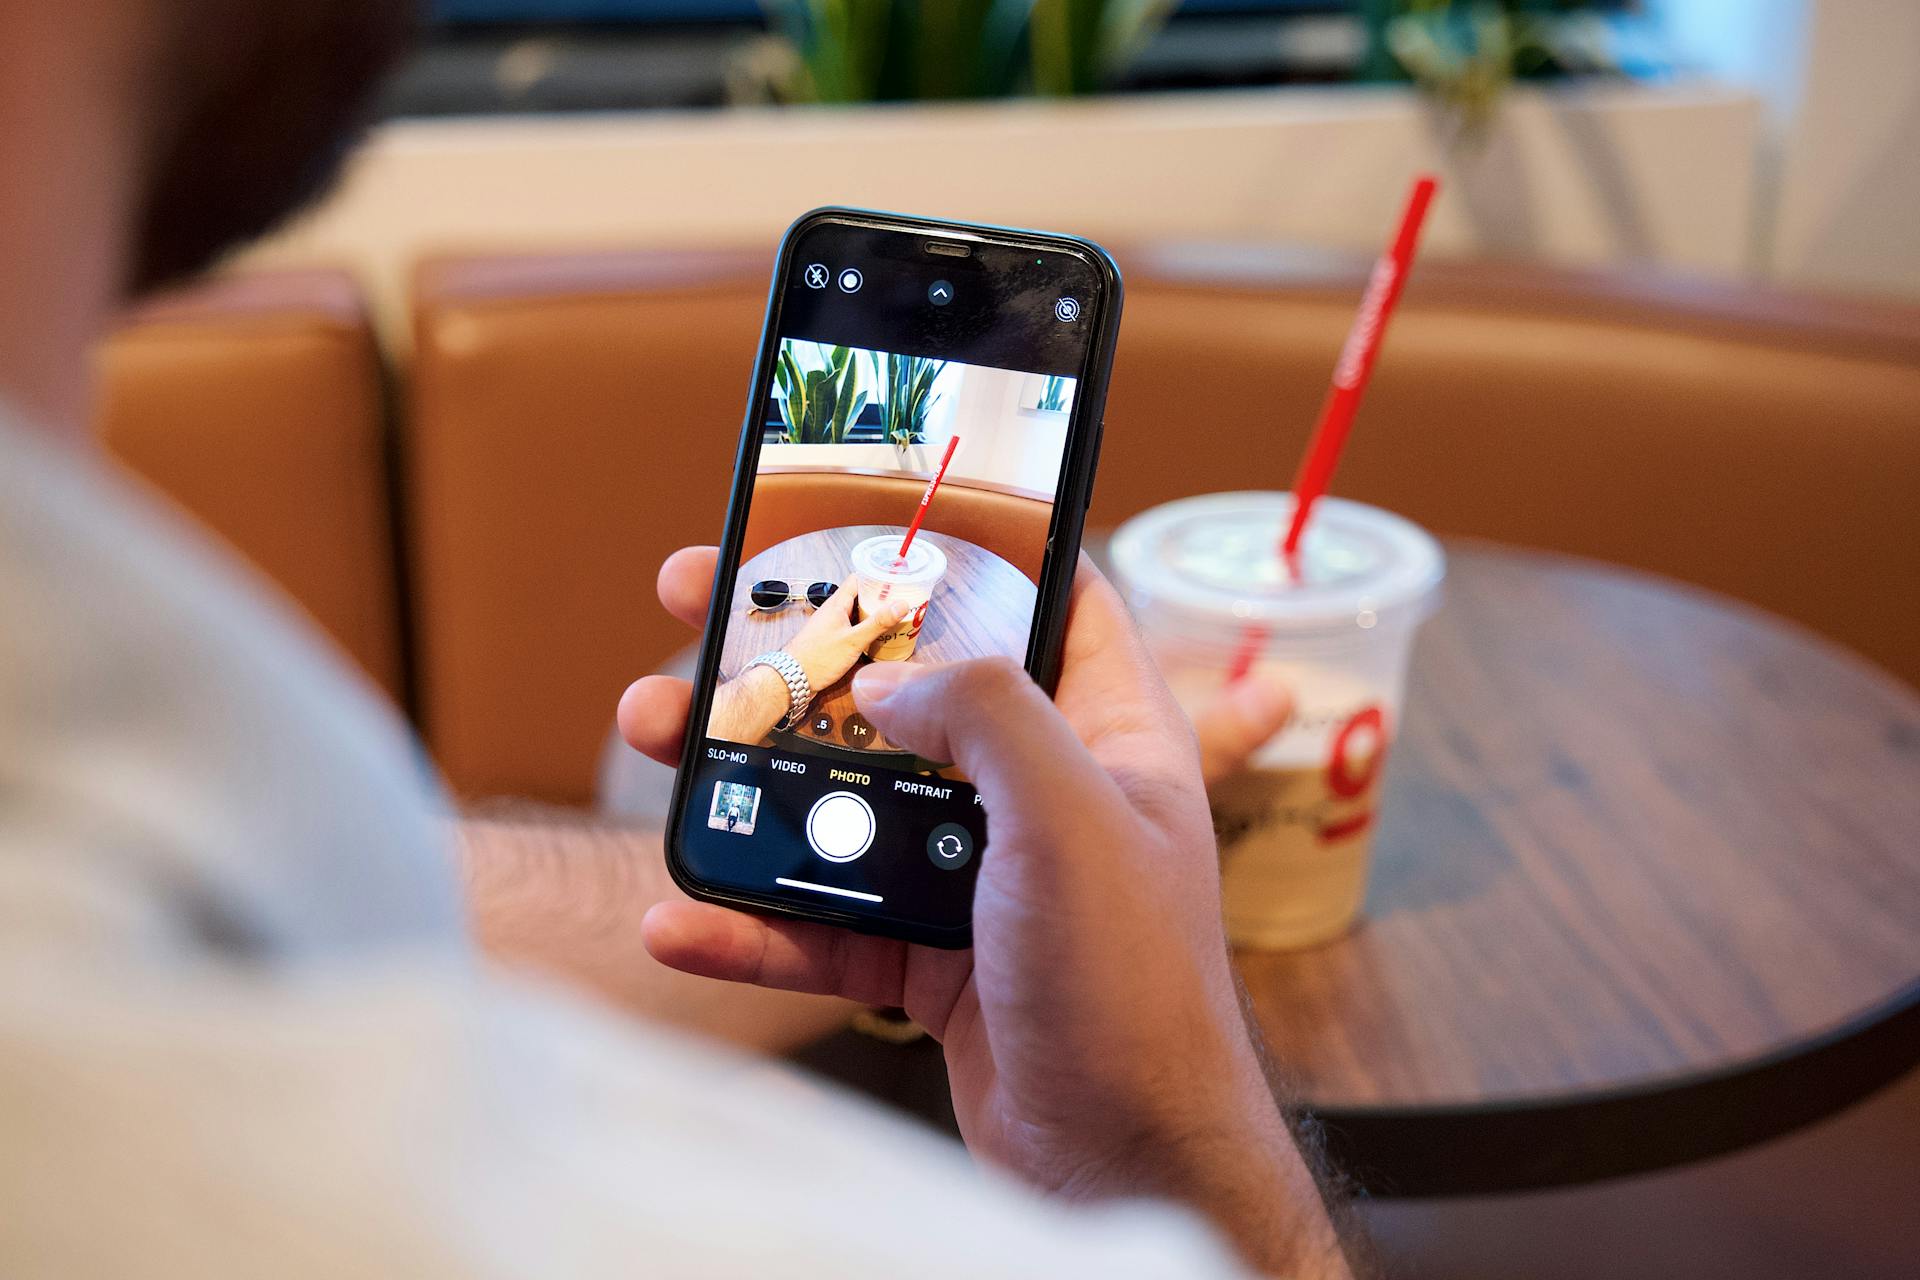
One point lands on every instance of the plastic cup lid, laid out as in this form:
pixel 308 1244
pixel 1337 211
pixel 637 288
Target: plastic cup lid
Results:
pixel 1216 559
pixel 879 558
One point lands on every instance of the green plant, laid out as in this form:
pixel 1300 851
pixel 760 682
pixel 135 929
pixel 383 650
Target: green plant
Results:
pixel 1053 395
pixel 1078 46
pixel 909 395
pixel 820 403
pixel 915 50
pixel 1466 54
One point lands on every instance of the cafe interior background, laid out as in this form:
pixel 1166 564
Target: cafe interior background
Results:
pixel 1667 318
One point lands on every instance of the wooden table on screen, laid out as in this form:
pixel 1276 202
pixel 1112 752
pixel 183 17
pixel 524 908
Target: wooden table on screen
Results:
pixel 1646 890
pixel 982 608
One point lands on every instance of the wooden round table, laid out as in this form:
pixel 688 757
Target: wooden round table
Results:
pixel 983 607
pixel 1646 890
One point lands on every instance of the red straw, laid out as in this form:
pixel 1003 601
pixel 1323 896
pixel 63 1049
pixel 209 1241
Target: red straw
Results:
pixel 1356 364
pixel 926 499
pixel 1350 378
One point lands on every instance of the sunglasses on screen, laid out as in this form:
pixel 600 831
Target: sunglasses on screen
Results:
pixel 772 594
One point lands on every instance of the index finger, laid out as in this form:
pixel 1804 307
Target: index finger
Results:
pixel 840 603
pixel 1110 685
pixel 793 955
pixel 686 583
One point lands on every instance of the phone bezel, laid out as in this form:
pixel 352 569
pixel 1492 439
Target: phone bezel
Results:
pixel 1086 428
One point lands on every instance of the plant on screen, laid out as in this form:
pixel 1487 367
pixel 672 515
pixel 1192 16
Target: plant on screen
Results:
pixel 819 404
pixel 909 395
pixel 1053 395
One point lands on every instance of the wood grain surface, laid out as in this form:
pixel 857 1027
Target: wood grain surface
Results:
pixel 1631 833
pixel 982 608
pixel 1646 889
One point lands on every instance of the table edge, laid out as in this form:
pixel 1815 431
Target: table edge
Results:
pixel 1536 1143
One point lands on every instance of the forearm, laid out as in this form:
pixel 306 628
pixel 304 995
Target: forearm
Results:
pixel 560 894
pixel 1257 1185
pixel 747 707
pixel 1224 1148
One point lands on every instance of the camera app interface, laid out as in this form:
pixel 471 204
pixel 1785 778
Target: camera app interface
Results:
pixel 911 447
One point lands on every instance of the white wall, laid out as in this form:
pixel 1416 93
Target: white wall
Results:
pixel 1002 443
pixel 1758 44
pixel 1849 193
pixel 1838 205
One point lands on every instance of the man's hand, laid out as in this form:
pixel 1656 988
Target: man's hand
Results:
pixel 831 641
pixel 747 707
pixel 1094 1037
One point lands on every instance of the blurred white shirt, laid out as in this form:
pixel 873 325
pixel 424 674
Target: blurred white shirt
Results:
pixel 242 1031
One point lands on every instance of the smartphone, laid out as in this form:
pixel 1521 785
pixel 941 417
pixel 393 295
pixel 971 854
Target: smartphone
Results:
pixel 912 478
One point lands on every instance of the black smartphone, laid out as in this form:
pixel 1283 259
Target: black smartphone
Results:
pixel 913 474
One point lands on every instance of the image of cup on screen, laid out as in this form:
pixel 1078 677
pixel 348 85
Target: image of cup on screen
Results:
pixel 900 513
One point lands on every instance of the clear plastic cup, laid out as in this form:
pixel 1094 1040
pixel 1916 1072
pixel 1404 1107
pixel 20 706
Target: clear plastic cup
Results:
pixel 1202 576
pixel 886 580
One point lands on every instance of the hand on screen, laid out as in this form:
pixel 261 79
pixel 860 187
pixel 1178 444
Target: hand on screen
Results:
pixel 831 642
pixel 1094 1036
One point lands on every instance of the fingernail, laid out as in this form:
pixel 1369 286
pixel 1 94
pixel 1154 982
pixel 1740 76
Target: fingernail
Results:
pixel 878 681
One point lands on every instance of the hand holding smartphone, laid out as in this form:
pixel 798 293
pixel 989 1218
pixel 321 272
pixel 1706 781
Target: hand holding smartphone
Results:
pixel 912 477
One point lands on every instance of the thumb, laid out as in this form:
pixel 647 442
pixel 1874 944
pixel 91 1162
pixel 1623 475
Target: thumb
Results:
pixel 991 720
pixel 1241 718
pixel 871 628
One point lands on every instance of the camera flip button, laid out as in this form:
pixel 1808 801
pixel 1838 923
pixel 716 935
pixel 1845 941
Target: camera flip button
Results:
pixel 950 846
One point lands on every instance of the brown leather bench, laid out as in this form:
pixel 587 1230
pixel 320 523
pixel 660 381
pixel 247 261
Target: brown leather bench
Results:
pixel 258 404
pixel 1757 444
pixel 569 420
pixel 573 419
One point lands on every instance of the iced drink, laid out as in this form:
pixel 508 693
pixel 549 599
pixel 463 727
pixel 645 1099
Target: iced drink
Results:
pixel 1202 576
pixel 888 580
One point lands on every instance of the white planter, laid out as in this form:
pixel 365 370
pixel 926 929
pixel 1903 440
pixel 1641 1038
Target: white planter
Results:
pixel 1585 174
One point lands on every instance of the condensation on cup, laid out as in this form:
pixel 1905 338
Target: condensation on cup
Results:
pixel 886 580
pixel 1203 574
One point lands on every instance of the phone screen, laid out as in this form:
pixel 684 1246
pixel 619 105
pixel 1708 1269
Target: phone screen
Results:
pixel 894 352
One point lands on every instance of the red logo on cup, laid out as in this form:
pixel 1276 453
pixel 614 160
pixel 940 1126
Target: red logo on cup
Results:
pixel 1353 766
pixel 1347 776
pixel 919 616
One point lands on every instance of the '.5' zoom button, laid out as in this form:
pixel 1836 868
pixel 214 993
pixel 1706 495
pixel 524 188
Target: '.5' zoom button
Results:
pixel 840 826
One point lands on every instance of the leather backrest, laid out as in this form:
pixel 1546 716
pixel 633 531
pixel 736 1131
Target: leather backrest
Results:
pixel 1761 445
pixel 788 504
pixel 574 419
pixel 257 404
pixel 571 421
